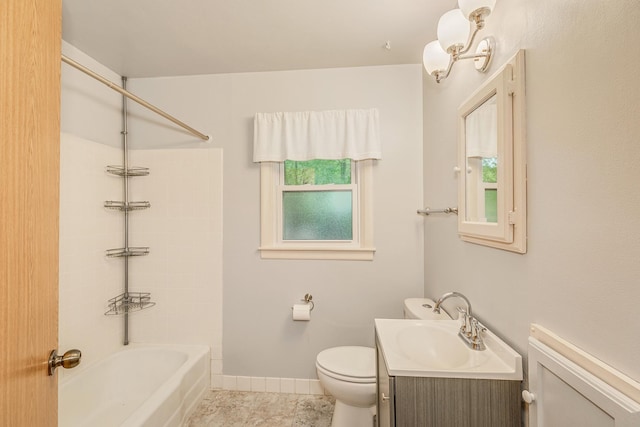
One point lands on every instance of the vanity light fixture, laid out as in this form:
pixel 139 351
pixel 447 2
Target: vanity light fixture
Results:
pixel 455 38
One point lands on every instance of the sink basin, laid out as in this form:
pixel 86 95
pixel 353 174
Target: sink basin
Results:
pixel 416 343
pixel 432 348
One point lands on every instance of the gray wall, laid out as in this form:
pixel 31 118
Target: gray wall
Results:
pixel 259 337
pixel 580 276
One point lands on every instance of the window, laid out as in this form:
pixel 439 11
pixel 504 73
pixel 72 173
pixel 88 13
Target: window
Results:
pixel 490 186
pixel 482 176
pixel 317 200
pixel 316 209
pixel 315 183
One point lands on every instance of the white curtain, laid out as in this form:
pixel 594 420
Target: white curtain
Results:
pixel 482 131
pixel 335 134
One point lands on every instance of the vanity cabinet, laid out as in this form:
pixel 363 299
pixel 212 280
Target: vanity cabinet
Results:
pixel 441 402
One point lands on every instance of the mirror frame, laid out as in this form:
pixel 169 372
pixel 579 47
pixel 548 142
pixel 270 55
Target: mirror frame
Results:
pixel 510 231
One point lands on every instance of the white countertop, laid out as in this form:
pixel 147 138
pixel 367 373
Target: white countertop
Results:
pixel 410 348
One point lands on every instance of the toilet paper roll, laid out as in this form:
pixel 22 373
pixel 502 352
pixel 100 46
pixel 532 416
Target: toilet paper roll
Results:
pixel 301 312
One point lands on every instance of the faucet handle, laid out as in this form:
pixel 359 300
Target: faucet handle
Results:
pixel 477 328
pixel 463 317
pixel 474 326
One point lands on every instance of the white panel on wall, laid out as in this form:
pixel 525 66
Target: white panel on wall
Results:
pixel 183 229
pixel 87 278
pixel 566 393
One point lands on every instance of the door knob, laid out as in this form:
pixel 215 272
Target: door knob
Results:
pixel 68 360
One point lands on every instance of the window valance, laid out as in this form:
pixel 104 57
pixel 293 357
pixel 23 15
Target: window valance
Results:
pixel 335 134
pixel 482 131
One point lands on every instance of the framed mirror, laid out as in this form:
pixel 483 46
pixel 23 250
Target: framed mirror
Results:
pixel 492 161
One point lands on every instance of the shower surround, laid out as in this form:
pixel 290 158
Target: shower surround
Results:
pixel 182 271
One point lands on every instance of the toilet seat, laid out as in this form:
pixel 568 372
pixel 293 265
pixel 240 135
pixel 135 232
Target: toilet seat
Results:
pixel 351 363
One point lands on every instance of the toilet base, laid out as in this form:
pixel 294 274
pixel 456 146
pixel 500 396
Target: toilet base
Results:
pixel 352 416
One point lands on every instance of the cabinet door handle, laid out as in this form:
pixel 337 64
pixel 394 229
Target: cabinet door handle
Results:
pixel 385 397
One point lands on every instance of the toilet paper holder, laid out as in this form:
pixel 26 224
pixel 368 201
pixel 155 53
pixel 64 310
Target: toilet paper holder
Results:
pixel 308 298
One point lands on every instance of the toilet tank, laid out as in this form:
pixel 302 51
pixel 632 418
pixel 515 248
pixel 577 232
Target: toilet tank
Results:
pixel 422 308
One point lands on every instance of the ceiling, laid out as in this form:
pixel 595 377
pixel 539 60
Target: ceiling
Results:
pixel 150 38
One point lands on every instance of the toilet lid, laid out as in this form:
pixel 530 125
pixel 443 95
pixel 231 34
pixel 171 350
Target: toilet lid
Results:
pixel 352 361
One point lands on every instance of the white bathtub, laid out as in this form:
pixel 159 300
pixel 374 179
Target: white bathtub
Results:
pixel 139 386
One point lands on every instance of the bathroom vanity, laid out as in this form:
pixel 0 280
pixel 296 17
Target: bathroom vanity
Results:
pixel 425 379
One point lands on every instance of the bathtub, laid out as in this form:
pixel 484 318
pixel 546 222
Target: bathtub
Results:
pixel 139 386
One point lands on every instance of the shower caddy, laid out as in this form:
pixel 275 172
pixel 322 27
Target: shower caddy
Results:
pixel 127 301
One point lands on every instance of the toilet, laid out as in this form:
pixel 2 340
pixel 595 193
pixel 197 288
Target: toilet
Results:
pixel 422 308
pixel 349 375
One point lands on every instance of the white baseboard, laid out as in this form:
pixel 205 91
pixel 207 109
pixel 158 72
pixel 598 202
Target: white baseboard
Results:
pixel 267 384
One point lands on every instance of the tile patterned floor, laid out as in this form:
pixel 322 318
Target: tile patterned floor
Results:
pixel 240 408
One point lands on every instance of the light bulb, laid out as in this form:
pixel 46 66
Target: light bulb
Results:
pixel 468 7
pixel 434 58
pixel 453 30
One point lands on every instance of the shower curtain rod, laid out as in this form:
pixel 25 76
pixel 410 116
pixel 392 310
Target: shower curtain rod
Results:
pixel 133 97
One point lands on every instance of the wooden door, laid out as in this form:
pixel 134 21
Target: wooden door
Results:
pixel 30 39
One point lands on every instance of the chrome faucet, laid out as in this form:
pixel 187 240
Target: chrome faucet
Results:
pixel 436 307
pixel 470 329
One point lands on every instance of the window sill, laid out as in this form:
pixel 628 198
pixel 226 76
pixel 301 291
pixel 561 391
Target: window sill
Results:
pixel 348 254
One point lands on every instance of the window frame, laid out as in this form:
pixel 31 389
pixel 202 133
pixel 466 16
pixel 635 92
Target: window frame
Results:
pixel 272 246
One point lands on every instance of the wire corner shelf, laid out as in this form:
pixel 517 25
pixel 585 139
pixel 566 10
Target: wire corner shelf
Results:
pixel 129 302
